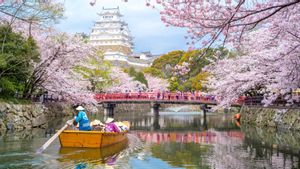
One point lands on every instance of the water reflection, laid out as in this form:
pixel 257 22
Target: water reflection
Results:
pixel 166 141
pixel 92 157
pixel 182 155
pixel 177 122
pixel 177 137
pixel 188 149
pixel 278 149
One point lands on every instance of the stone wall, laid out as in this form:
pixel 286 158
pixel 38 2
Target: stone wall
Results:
pixel 25 116
pixel 271 117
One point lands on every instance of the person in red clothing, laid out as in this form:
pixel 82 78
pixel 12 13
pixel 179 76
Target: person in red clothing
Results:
pixel 237 116
pixel 110 126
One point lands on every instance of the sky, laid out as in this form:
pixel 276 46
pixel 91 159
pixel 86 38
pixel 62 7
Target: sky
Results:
pixel 149 33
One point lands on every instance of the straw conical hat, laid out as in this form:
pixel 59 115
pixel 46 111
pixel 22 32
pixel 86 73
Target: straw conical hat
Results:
pixel 109 120
pixel 79 108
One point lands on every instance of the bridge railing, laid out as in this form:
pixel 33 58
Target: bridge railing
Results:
pixel 151 96
pixel 44 98
pixel 280 101
pixel 203 98
pixel 254 100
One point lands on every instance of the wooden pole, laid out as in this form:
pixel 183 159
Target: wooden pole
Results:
pixel 43 148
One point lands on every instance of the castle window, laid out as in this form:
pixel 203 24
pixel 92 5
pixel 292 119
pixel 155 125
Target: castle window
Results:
pixel 107 17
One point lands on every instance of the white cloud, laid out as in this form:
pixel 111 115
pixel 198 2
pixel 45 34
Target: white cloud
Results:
pixel 144 22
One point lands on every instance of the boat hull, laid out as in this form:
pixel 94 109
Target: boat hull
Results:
pixel 90 139
pixel 68 154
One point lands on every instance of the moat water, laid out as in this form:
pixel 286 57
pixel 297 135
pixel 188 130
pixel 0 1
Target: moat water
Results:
pixel 172 140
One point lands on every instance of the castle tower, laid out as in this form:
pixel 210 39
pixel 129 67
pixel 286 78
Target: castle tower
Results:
pixel 111 34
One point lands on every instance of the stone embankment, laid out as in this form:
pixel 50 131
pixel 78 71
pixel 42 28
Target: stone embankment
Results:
pixel 25 116
pixel 278 118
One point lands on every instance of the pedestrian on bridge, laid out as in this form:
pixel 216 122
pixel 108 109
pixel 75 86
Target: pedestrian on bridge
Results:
pixel 158 95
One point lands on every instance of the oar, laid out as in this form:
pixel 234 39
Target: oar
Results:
pixel 43 148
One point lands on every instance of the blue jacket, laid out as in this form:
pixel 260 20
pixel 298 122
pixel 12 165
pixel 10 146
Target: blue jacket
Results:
pixel 82 119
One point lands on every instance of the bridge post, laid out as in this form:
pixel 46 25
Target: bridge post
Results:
pixel 204 109
pixel 155 108
pixel 109 109
pixel 155 125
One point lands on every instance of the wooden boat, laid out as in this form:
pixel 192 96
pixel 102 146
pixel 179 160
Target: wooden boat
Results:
pixel 91 154
pixel 90 139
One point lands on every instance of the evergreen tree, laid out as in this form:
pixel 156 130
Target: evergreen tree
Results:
pixel 17 57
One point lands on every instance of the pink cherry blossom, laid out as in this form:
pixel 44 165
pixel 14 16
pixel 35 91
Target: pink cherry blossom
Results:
pixel 268 64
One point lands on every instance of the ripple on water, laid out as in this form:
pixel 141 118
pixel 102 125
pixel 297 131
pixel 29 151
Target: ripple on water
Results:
pixel 135 143
pixel 24 160
pixel 180 142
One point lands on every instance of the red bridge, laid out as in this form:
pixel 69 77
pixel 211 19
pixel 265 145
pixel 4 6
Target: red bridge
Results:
pixel 175 98
pixel 109 100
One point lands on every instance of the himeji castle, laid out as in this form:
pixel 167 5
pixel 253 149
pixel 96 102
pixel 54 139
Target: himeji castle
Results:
pixel 111 35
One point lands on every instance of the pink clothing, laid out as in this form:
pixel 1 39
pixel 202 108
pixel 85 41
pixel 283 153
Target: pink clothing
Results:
pixel 111 127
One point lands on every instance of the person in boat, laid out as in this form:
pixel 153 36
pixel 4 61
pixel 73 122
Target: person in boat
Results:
pixel 97 125
pixel 110 126
pixel 82 119
pixel 122 126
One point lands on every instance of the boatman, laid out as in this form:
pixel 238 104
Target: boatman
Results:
pixel 82 119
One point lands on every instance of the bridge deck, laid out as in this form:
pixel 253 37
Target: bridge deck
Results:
pixel 168 98
pixel 191 102
pixel 128 101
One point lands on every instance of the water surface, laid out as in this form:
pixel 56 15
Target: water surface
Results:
pixel 172 140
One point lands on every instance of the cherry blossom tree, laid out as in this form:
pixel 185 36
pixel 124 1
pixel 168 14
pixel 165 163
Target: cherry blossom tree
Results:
pixel 55 73
pixel 226 20
pixel 59 54
pixel 124 82
pixel 181 69
pixel 157 84
pixel 38 12
pixel 267 33
pixel 267 65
